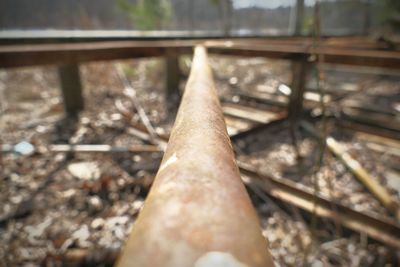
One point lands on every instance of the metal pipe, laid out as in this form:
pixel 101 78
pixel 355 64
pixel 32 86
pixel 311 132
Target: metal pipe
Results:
pixel 198 212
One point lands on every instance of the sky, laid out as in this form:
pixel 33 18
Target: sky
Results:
pixel 266 3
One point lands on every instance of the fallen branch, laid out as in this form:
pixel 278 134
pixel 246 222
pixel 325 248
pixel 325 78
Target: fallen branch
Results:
pixel 104 148
pixel 381 144
pixel 380 229
pixel 144 136
pixel 249 113
pixel 358 171
pixel 361 127
pixel 383 149
pixel 79 257
pixel 91 148
pixel 266 98
pixel 371 118
pixel 235 125
pixel 274 124
pixel 131 93
pixel 128 115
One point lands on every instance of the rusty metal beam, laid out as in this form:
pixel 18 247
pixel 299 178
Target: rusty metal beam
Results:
pixel 71 88
pixel 334 55
pixel 197 212
pixel 66 36
pixel 172 80
pixel 68 53
pixel 378 228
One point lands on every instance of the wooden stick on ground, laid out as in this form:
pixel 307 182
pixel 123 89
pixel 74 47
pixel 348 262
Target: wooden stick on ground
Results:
pixel 358 171
pixel 376 227
pixel 91 148
pixel 130 92
pixel 104 148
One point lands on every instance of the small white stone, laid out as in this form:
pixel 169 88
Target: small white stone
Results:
pixel 218 259
pixel 95 203
pixel 85 170
pixel 97 223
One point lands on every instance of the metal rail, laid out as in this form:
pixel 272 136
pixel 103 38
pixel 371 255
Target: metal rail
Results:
pixel 67 53
pixel 197 212
pixel 333 55
pixel 378 228
pixel 60 36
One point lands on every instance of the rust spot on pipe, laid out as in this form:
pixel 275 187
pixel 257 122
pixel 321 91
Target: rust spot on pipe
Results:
pixel 198 212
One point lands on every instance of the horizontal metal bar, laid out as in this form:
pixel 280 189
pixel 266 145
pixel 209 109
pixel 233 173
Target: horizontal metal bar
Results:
pixel 380 229
pixel 34 36
pixel 333 55
pixel 67 53
pixel 198 212
pixel 104 148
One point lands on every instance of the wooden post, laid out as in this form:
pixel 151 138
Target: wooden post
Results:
pixel 299 74
pixel 295 107
pixel 71 89
pixel 172 79
pixel 299 79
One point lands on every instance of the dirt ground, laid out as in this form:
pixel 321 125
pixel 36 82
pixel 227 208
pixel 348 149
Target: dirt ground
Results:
pixel 88 202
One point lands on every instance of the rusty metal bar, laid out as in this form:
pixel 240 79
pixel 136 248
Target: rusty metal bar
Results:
pixel 71 53
pixel 378 228
pixel 172 79
pixel 197 212
pixel 71 88
pixel 333 55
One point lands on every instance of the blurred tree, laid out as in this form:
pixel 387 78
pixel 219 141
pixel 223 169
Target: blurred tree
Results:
pixel 147 14
pixel 299 20
pixel 225 8
pixel 390 14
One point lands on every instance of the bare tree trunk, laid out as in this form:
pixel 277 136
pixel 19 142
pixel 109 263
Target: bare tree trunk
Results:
pixel 227 16
pixel 191 12
pixel 299 17
pixel 367 18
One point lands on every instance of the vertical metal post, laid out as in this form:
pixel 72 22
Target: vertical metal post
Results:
pixel 295 107
pixel 198 212
pixel 172 79
pixel 71 89
pixel 299 79
pixel 299 73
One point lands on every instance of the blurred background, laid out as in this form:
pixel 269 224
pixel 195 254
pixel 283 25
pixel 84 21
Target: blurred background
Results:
pixel 228 17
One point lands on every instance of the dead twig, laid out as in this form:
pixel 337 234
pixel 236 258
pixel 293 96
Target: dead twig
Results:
pixel 144 136
pixel 104 148
pixel 130 92
pixel 89 148
pixel 380 229
pixel 79 257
